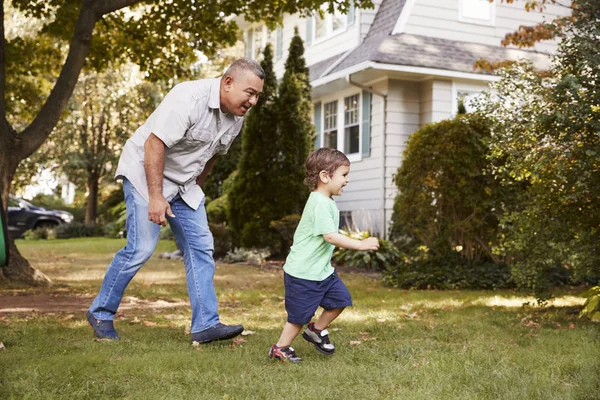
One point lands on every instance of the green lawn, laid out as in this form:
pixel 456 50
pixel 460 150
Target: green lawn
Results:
pixel 392 344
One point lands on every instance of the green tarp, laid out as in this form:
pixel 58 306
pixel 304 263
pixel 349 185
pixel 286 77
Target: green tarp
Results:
pixel 3 237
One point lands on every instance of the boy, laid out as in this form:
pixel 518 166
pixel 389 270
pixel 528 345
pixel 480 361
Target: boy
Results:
pixel 310 280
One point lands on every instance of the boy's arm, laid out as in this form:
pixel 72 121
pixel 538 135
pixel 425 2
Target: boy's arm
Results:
pixel 339 240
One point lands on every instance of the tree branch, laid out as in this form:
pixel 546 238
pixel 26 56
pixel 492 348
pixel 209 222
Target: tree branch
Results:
pixel 106 7
pixel 37 132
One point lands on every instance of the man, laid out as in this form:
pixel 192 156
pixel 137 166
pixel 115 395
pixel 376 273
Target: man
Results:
pixel 163 167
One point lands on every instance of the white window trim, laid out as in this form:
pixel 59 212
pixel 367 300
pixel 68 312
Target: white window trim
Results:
pixel 329 28
pixel 340 96
pixel 477 21
pixel 264 34
pixel 458 86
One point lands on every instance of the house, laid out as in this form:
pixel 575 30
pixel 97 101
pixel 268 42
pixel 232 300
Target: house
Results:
pixel 379 74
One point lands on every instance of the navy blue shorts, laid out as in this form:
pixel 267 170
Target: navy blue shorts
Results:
pixel 303 297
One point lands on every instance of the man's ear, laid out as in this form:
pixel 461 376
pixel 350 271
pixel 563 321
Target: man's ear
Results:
pixel 324 176
pixel 227 82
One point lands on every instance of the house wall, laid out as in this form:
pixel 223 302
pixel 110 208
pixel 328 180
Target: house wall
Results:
pixel 440 19
pixel 363 195
pixel 366 18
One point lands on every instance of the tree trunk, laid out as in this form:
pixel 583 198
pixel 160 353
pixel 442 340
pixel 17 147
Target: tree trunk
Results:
pixel 91 212
pixel 18 268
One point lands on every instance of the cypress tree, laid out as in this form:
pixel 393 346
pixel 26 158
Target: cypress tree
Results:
pixel 250 201
pixel 295 132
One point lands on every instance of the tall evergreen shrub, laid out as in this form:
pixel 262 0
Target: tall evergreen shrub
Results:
pixel 250 208
pixel 295 132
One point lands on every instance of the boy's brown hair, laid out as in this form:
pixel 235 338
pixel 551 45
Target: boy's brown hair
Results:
pixel 324 159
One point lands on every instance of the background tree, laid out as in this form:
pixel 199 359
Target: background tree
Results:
pixel 161 36
pixel 545 139
pixel 296 132
pixel 526 36
pixel 253 194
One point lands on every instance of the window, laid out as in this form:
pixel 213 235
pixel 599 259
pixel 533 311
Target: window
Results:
pixel 341 122
pixel 351 125
pixel 467 98
pixel 477 11
pixel 255 42
pixel 330 125
pixel 329 24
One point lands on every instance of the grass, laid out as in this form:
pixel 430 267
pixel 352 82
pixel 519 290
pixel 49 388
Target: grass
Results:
pixel 392 344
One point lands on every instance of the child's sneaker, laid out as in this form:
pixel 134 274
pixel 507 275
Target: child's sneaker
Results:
pixel 285 353
pixel 319 338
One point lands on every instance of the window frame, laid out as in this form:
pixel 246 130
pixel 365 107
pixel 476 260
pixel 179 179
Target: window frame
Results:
pixel 329 32
pixel 491 21
pixel 340 97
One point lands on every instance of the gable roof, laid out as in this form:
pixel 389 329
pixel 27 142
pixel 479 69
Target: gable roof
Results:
pixel 381 46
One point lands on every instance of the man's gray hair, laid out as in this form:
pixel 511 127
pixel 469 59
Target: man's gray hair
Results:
pixel 243 65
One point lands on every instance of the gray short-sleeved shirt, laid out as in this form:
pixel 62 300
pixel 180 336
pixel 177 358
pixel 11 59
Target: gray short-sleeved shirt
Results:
pixel 193 129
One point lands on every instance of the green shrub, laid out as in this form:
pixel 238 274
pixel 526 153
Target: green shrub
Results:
pixel 285 227
pixel 76 230
pixel 217 210
pixel 223 239
pixel 386 257
pixel 591 307
pixel 38 234
pixel 166 233
pixel 423 271
pixel 249 256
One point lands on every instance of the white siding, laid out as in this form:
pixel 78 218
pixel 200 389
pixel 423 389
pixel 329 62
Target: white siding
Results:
pixel 366 17
pixel 363 195
pixel 440 19
pixel 403 118
pixel 318 50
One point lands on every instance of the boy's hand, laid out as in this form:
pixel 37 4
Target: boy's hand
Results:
pixel 371 243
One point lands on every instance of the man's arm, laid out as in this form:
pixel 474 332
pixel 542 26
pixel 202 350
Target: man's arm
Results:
pixel 202 177
pixel 339 240
pixel 154 165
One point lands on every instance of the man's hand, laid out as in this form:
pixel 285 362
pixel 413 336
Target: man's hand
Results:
pixel 371 243
pixel 157 208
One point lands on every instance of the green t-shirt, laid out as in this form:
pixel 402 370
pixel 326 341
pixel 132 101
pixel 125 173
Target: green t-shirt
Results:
pixel 310 256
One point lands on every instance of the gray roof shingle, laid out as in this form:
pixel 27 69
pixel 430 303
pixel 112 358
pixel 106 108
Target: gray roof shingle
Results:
pixel 423 51
pixel 382 26
pixel 430 52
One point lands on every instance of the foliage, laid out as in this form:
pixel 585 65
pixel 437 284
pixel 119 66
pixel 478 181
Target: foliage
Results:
pixel 591 307
pixel 54 202
pixel 247 256
pixel 41 233
pixel 223 239
pixel 252 196
pixel 446 201
pixel 380 260
pixel 422 270
pixel 528 35
pixel 222 169
pixel 285 227
pixel 77 230
pixel 296 133
pixel 166 233
pixel 217 210
pixel 545 142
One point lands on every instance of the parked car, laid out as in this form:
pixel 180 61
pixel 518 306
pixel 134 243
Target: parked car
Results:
pixel 23 216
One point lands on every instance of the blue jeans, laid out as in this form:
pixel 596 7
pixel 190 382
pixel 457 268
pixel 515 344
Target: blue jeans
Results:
pixel 193 237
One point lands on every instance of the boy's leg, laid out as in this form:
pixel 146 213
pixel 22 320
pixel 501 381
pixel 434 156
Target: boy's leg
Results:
pixel 282 350
pixel 195 240
pixel 336 298
pixel 142 237
pixel 327 317
pixel 289 333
